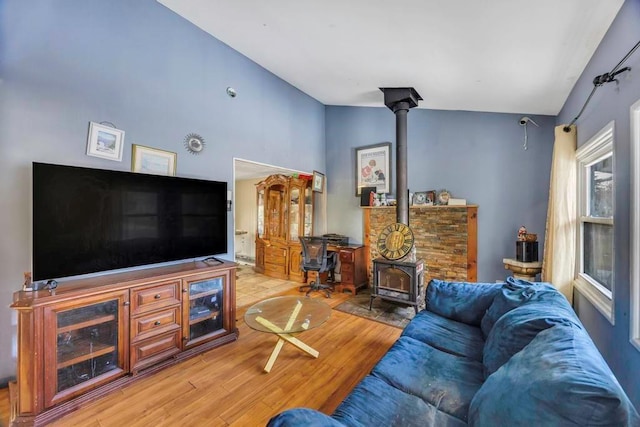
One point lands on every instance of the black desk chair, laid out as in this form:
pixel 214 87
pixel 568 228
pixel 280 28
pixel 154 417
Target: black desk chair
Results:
pixel 316 258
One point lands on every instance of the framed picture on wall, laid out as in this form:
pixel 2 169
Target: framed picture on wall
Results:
pixel 420 198
pixel 105 142
pixel 152 160
pixel 431 197
pixel 373 167
pixel 318 181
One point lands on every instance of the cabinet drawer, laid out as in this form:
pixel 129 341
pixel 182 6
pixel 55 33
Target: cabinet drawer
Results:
pixel 346 256
pixel 151 351
pixel 144 300
pixel 149 325
pixel 275 268
pixel 273 259
pixel 275 256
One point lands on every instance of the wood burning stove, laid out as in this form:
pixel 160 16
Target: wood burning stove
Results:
pixel 398 281
pixel 399 277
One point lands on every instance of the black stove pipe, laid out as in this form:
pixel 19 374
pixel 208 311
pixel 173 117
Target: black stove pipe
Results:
pixel 402 196
pixel 400 100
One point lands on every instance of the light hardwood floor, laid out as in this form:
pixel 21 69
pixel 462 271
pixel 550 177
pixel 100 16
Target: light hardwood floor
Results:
pixel 227 386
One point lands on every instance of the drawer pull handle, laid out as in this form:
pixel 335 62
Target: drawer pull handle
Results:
pixel 126 303
pixel 157 323
pixel 157 296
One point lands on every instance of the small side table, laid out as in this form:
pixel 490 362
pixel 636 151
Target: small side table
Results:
pixel 523 270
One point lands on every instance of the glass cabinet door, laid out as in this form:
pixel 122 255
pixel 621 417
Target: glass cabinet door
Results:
pixel 86 346
pixel 308 212
pixel 205 307
pixel 294 214
pixel 260 213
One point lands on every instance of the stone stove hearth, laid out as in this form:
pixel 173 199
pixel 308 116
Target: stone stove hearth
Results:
pixel 445 238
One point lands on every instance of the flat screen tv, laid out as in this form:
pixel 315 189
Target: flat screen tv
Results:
pixel 91 220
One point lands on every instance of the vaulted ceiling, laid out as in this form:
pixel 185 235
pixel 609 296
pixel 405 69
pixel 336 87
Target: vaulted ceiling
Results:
pixel 513 56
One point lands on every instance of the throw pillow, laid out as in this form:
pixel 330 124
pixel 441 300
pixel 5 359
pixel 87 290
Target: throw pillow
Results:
pixel 513 294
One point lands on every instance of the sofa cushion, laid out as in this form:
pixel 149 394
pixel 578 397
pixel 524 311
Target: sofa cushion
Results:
pixel 560 378
pixel 303 417
pixel 446 335
pixel 463 302
pixel 513 294
pixel 373 402
pixel 516 328
pixel 444 380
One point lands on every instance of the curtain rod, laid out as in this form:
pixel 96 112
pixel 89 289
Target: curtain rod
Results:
pixel 602 79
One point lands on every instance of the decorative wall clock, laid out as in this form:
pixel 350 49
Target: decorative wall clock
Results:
pixel 395 241
pixel 194 143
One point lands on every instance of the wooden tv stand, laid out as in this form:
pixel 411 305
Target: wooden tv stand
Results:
pixel 91 336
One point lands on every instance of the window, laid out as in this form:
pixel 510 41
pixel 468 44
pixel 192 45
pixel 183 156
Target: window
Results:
pixel 635 225
pixel 596 184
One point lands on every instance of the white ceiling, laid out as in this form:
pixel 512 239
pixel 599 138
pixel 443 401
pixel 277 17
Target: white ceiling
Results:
pixel 513 56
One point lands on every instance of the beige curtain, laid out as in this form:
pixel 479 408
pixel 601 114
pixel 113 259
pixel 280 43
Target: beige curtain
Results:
pixel 558 265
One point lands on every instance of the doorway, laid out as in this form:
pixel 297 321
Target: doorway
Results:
pixel 246 174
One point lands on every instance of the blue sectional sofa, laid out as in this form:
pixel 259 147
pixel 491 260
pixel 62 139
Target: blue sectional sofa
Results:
pixel 511 354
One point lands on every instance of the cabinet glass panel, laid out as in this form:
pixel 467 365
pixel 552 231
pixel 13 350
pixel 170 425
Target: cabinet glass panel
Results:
pixel 87 343
pixel 277 208
pixel 294 214
pixel 205 307
pixel 308 212
pixel 261 213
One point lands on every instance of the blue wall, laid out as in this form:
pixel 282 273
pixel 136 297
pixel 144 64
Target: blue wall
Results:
pixel 476 156
pixel 612 102
pixel 151 73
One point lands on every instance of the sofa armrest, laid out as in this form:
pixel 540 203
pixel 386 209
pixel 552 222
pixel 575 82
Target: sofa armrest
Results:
pixel 303 417
pixel 464 302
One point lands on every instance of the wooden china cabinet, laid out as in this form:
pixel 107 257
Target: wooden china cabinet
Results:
pixel 285 213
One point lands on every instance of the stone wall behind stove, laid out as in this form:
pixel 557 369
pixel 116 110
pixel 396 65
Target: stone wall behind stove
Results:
pixel 446 238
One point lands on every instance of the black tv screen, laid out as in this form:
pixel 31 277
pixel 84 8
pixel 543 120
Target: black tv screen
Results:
pixel 90 220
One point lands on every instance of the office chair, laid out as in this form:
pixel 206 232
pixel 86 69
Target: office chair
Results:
pixel 316 258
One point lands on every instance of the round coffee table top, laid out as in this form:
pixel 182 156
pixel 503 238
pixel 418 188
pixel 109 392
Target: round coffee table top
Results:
pixel 288 314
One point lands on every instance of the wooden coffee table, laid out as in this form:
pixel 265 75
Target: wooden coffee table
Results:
pixel 285 316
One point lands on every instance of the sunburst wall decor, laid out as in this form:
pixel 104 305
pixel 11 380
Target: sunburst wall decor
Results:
pixel 194 143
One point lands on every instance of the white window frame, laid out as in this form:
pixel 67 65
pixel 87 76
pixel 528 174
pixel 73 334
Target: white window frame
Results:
pixel 634 330
pixel 598 148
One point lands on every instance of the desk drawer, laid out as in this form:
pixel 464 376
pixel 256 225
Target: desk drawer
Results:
pixel 346 277
pixel 346 268
pixel 346 257
pixel 153 324
pixel 146 299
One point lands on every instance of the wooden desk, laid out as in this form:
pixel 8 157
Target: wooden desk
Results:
pixel 353 267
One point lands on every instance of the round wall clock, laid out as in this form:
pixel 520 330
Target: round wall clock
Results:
pixel 194 143
pixel 395 241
